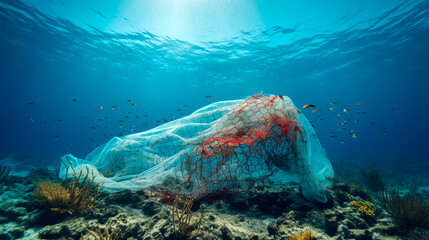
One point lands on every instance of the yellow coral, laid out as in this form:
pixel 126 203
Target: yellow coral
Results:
pixel 363 207
pixel 77 195
pixel 306 235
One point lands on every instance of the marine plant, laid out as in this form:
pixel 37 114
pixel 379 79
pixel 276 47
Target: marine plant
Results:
pixel 4 172
pixel 363 207
pixel 372 179
pixel 357 189
pixel 184 218
pixel 75 195
pixel 99 235
pixel 306 235
pixel 408 212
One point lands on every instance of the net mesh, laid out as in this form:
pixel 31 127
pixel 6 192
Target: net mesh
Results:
pixel 223 147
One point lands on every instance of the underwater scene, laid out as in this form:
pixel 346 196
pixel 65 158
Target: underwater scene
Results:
pixel 214 119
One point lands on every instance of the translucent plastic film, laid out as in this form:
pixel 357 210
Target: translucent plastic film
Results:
pixel 223 147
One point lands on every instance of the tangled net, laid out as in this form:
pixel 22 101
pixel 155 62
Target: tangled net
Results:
pixel 223 147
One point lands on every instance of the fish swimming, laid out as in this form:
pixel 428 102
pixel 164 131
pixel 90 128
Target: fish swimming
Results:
pixel 309 105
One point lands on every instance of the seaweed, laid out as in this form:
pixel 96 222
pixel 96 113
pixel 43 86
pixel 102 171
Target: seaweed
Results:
pixel 184 218
pixel 306 235
pixel 372 179
pixel 99 235
pixel 408 212
pixel 76 195
pixel 4 172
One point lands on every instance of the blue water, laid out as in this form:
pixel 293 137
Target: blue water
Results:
pixel 61 62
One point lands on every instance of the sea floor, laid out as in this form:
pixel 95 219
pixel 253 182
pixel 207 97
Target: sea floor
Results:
pixel 264 212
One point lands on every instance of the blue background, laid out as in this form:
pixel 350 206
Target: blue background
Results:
pixel 167 54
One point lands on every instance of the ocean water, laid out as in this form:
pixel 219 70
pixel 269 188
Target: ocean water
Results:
pixel 75 74
pixel 164 55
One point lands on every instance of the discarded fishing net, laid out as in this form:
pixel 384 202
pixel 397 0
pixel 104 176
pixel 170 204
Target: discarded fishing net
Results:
pixel 223 147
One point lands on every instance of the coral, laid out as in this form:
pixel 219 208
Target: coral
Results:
pixel 4 172
pixel 306 235
pixel 363 207
pixel 408 212
pixel 40 174
pixel 77 195
pixel 372 179
pixel 98 235
pixel 357 189
pixel 184 218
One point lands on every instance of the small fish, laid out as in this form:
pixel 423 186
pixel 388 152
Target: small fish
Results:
pixel 184 105
pixel 354 135
pixel 101 107
pixel 57 137
pixel 337 119
pixel 133 104
pixel 317 116
pixel 179 109
pixel 280 96
pixel 298 111
pixel 331 109
pixel 342 141
pixel 339 114
pixel 31 119
pixel 360 104
pixel 96 111
pixel 346 110
pixel 383 130
pixel 356 121
pixel 70 146
pixel 361 112
pixel 342 124
pixel 314 111
pixel 352 131
pixel 74 99
pixel 333 103
pixel 130 101
pixel 209 96
pixel 113 109
pixel 341 129
pixel 309 105
pixel 98 119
